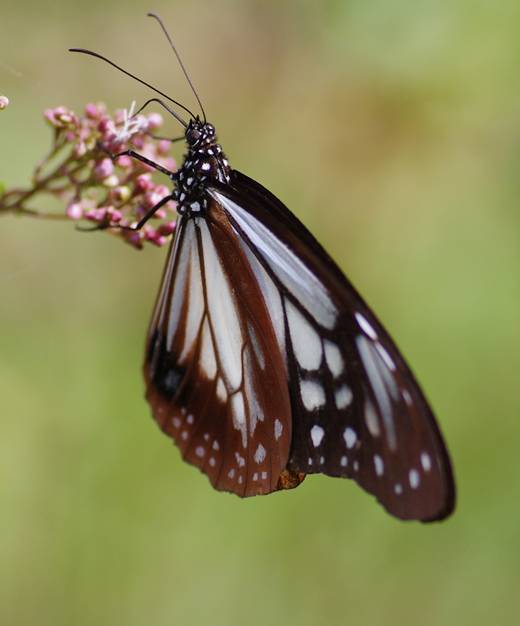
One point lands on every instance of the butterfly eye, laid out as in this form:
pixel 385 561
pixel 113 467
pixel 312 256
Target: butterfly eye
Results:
pixel 193 135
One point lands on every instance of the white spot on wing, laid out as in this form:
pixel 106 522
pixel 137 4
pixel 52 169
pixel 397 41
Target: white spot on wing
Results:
pixel 176 422
pixel 259 454
pixel 365 326
pixel 350 436
pixel 344 461
pixel 305 340
pixel 414 478
pixel 256 346
pixel 379 465
pixel 239 415
pixel 343 397
pixel 178 258
pixel 317 434
pixel 398 489
pixel 199 451
pixel 270 294
pixel 371 419
pixel 195 298
pixel 223 313
pixel 221 390
pixel 278 429
pixel 255 411
pixel 313 394
pixel 208 361
pixel 379 381
pixel 426 461
pixel 334 359
pixel 385 356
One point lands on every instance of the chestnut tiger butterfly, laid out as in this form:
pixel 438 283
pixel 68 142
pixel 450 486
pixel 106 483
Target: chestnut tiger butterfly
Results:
pixel 263 363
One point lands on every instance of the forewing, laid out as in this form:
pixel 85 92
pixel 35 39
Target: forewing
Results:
pixel 357 409
pixel 214 371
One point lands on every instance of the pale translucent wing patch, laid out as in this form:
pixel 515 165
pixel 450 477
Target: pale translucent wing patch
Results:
pixel 214 371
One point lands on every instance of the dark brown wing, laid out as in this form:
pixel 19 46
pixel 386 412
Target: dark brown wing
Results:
pixel 214 371
pixel 357 410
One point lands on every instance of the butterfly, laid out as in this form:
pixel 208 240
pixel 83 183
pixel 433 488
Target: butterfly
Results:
pixel 263 363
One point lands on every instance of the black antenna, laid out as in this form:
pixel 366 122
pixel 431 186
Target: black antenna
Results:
pixel 140 80
pixel 180 61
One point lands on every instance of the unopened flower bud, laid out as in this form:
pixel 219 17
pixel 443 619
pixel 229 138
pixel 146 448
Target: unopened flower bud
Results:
pixel 75 211
pixel 155 121
pixel 120 194
pixel 143 183
pixel 124 161
pixel 166 228
pixel 93 111
pixel 114 215
pixel 104 169
pixel 163 147
pixel 111 181
pixel 4 102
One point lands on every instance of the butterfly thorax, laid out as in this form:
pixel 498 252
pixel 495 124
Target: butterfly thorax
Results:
pixel 203 163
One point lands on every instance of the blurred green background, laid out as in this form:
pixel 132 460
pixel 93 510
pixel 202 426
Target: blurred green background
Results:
pixel 392 129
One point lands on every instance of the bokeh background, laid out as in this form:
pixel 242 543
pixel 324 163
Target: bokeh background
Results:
pixel 392 129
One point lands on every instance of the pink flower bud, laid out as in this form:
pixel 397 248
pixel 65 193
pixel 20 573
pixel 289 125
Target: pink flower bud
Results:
pixel 134 238
pixel 163 147
pixel 166 229
pixel 124 161
pixel 61 117
pixel 4 102
pixel 143 183
pixel 74 211
pixel 80 149
pixel 138 142
pixel 155 120
pixel 111 181
pixel 169 163
pixel 93 111
pixel 104 169
pixel 91 214
pixel 152 198
pixel 114 215
pixel 120 194
pixel 162 190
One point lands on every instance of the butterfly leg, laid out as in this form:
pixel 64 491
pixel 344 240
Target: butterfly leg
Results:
pixel 149 214
pixel 137 226
pixel 143 159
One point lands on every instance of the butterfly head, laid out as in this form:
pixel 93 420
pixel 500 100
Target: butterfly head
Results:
pixel 199 133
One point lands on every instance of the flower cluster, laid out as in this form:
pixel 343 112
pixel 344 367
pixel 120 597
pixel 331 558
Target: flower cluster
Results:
pixel 111 193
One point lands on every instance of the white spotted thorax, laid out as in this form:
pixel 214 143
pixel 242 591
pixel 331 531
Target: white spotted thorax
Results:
pixel 204 162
